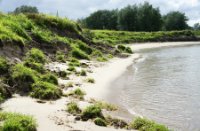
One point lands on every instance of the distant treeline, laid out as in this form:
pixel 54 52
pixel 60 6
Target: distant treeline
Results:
pixel 142 17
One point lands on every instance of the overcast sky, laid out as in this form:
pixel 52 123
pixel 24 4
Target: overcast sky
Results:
pixel 74 9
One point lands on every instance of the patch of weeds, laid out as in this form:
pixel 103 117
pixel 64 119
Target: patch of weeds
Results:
pixel 91 112
pixel 73 108
pixel 100 122
pixel 146 125
pixel 74 62
pixel 62 74
pixel 79 54
pixel 46 91
pixel 77 93
pixel 104 105
pixel 117 123
pixel 90 80
pixel 24 77
pixel 102 59
pixel 50 78
pixel 69 84
pixel 71 68
pixel 36 55
pixel 35 66
pixel 60 56
pixel 17 122
pixel 83 73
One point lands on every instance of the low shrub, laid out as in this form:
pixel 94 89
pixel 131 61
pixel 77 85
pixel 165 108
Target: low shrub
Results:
pixel 125 49
pixel 100 122
pixel 73 108
pixel 102 59
pixel 77 93
pixel 69 84
pixel 146 125
pixel 50 78
pixel 4 92
pixel 45 90
pixel 83 73
pixel 128 50
pixel 91 112
pixel 60 56
pixel 90 80
pixel 4 66
pixel 62 74
pixel 104 105
pixel 117 123
pixel 74 62
pixel 121 47
pixel 24 77
pixel 71 68
pixel 17 122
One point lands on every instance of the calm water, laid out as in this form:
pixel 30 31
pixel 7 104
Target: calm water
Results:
pixel 163 86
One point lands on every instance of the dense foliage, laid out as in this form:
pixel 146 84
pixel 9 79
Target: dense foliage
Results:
pixel 142 17
pixel 26 9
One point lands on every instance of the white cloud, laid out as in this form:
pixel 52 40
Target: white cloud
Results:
pixel 80 8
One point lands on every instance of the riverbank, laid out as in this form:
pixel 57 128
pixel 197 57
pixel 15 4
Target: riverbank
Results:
pixel 52 116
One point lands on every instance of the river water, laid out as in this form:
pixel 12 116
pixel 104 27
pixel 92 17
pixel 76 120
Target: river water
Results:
pixel 163 86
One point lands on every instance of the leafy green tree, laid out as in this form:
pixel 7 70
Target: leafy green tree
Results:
pixel 102 19
pixel 128 18
pixel 149 18
pixel 26 9
pixel 196 26
pixel 175 21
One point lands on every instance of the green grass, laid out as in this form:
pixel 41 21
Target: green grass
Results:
pixel 116 122
pixel 77 93
pixel 46 91
pixel 36 55
pixel 147 125
pixel 24 77
pixel 121 37
pixel 104 105
pixel 17 122
pixel 73 108
pixel 4 92
pixel 100 122
pixel 91 112
pixel 90 80
pixel 50 78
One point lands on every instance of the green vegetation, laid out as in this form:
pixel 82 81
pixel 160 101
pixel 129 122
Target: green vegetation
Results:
pixel 4 66
pixel 83 73
pixel 24 77
pixel 77 93
pixel 147 125
pixel 60 56
pixel 74 62
pixel 45 90
pixel 25 9
pixel 36 55
pixel 4 92
pixel 71 68
pixel 121 37
pixel 104 105
pixel 141 17
pixel 50 78
pixel 91 112
pixel 17 122
pixel 100 122
pixel 69 84
pixel 125 49
pixel 73 108
pixel 117 123
pixel 90 80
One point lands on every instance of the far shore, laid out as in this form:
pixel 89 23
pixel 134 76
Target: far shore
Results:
pixel 51 115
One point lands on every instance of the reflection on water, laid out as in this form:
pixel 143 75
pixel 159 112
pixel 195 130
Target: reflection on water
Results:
pixel 164 87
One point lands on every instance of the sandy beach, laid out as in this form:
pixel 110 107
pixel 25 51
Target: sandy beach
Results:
pixel 51 115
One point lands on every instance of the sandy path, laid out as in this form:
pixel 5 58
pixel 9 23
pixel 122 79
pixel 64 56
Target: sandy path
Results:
pixel 46 114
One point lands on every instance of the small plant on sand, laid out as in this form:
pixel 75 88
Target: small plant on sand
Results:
pixel 91 112
pixel 146 125
pixel 4 66
pixel 74 62
pixel 4 92
pixel 60 56
pixel 117 123
pixel 17 122
pixel 102 59
pixel 83 73
pixel 79 54
pixel 35 66
pixel 100 122
pixel 73 108
pixel 46 91
pixel 77 93
pixel 104 105
pixel 71 68
pixel 62 74
pixel 90 80
pixel 69 84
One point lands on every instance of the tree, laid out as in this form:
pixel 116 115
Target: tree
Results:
pixel 175 21
pixel 102 19
pixel 25 9
pixel 128 18
pixel 150 18
pixel 196 26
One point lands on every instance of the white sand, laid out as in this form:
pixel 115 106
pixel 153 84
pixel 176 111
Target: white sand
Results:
pixel 51 117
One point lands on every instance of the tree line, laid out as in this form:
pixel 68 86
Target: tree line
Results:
pixel 142 17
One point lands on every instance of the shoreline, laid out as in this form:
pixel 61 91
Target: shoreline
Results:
pixel 52 116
